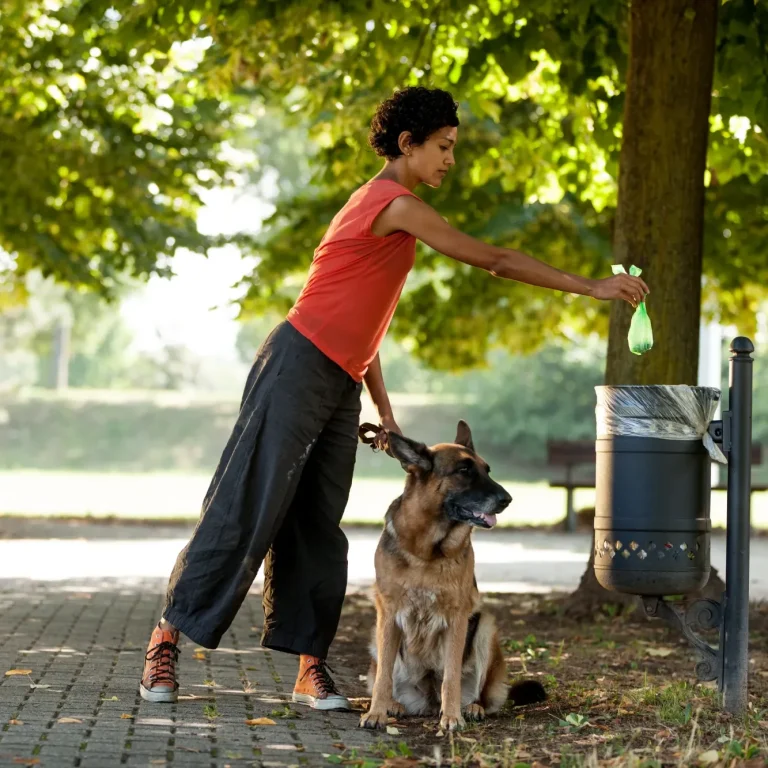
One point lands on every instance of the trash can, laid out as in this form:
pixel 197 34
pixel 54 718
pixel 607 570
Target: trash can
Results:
pixel 653 459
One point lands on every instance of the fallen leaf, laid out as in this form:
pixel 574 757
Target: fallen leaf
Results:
pixel 440 733
pixel 709 757
pixel 112 698
pixel 26 761
pixel 198 655
pixel 339 745
pixel 12 672
pixel 392 731
pixel 15 722
pixel 261 721
pixel 160 761
pixel 35 685
pixel 67 720
pixel 126 716
pixel 659 652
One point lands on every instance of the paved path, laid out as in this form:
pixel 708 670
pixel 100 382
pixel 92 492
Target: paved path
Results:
pixel 83 643
pixel 76 611
pixel 507 560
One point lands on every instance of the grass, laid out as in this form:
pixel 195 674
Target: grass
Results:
pixel 176 497
pixel 150 455
pixel 163 496
pixel 626 707
pixel 146 432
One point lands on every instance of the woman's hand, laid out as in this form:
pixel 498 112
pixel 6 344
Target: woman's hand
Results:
pixel 626 287
pixel 388 424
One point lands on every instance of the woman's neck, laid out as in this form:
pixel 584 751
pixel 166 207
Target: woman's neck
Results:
pixel 396 170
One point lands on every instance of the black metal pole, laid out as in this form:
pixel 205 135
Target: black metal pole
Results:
pixel 735 635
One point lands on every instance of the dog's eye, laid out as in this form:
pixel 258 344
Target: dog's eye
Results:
pixel 464 470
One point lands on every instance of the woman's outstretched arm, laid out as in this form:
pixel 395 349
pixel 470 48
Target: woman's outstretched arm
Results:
pixel 414 216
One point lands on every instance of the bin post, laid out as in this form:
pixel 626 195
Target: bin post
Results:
pixel 735 627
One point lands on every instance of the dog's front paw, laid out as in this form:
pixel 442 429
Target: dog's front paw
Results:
pixel 374 719
pixel 395 709
pixel 474 712
pixel 451 722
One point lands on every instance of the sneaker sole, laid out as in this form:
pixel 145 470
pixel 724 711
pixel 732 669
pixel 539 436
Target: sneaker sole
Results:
pixel 162 696
pixel 334 703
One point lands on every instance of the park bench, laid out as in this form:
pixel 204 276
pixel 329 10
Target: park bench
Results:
pixel 570 454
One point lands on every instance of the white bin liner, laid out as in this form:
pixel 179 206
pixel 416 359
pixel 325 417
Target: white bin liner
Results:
pixel 672 412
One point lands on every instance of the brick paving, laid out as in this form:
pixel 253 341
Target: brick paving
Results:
pixel 84 643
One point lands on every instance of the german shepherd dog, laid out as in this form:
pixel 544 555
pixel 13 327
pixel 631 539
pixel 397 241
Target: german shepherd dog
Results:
pixel 434 649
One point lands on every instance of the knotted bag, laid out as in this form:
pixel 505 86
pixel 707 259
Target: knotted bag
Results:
pixel 640 336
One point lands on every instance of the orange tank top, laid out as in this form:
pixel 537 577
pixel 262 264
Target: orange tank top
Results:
pixel 355 281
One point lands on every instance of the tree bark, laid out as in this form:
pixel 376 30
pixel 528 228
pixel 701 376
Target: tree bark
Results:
pixel 659 218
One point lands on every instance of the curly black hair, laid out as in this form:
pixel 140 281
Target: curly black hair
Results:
pixel 422 111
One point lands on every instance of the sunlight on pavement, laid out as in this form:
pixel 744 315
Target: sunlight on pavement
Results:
pixel 511 566
pixel 505 560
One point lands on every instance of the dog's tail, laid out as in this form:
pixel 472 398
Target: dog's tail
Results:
pixel 526 692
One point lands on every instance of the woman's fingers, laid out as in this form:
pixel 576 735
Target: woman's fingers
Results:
pixel 636 290
pixel 638 285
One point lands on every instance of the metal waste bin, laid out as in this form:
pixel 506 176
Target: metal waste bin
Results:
pixel 653 470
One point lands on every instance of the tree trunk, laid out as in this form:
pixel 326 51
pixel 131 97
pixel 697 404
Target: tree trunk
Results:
pixel 659 219
pixel 62 338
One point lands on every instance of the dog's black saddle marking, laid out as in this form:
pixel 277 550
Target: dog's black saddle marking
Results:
pixel 474 620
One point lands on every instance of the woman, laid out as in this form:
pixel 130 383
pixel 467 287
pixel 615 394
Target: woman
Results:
pixel 283 481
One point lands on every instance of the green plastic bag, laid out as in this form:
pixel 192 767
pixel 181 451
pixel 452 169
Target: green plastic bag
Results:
pixel 640 336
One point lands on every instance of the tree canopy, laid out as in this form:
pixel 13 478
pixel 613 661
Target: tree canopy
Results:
pixel 541 87
pixel 105 147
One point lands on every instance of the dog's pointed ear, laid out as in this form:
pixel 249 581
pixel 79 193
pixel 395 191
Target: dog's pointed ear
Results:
pixel 464 436
pixel 413 456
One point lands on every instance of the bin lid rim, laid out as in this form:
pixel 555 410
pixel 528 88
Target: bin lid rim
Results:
pixel 658 386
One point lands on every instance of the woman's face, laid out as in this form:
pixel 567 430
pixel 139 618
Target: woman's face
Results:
pixel 432 160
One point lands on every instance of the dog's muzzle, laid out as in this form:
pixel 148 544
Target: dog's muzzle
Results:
pixel 479 511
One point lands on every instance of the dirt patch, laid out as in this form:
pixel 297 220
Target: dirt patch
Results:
pixel 622 691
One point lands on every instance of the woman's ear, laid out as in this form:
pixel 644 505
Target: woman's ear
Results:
pixel 405 142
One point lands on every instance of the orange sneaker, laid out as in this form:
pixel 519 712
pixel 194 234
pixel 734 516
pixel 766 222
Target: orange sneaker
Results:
pixel 315 687
pixel 159 682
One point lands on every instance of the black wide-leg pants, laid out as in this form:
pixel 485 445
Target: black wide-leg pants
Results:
pixel 277 496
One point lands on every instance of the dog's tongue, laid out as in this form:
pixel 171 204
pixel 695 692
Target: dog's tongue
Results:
pixel 490 520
